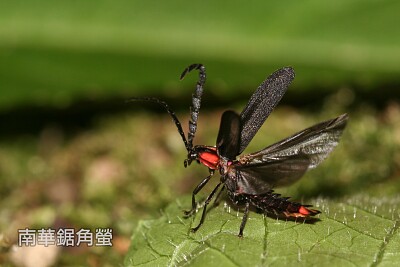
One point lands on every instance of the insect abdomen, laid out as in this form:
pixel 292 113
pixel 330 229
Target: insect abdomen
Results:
pixel 274 203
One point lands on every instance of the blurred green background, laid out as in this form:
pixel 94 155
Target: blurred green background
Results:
pixel 73 153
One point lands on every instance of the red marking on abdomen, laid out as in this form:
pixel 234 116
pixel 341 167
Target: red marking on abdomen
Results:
pixel 308 212
pixel 304 210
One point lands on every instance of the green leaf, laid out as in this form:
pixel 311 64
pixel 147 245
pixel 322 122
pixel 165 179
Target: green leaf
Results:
pixel 359 231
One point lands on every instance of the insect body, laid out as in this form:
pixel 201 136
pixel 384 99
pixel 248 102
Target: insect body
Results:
pixel 249 179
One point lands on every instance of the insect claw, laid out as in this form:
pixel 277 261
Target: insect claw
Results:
pixel 194 229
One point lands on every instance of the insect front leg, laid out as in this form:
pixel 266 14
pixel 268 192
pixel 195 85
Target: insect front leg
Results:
pixel 196 190
pixel 203 215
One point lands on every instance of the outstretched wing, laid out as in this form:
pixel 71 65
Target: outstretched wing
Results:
pixel 262 102
pixel 286 161
pixel 260 178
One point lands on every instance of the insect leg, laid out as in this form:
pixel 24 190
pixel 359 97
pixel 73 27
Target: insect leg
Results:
pixel 203 215
pixel 196 190
pixel 216 201
pixel 244 220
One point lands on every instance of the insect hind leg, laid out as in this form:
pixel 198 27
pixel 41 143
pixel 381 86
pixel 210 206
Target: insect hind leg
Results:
pixel 244 219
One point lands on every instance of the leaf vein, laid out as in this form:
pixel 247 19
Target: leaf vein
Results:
pixel 385 243
pixel 354 229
